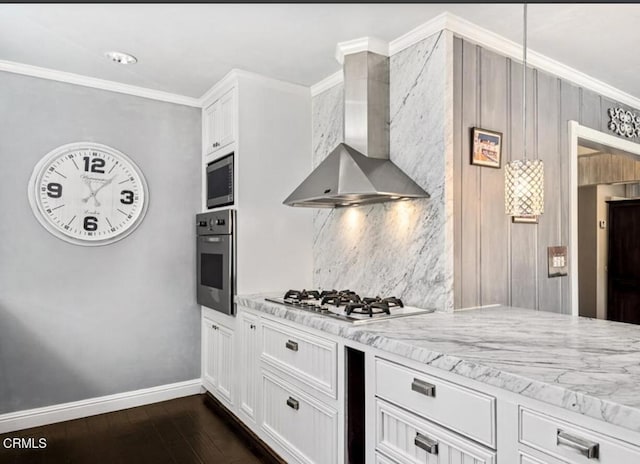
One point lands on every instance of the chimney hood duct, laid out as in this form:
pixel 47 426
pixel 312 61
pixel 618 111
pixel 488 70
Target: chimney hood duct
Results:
pixel 358 171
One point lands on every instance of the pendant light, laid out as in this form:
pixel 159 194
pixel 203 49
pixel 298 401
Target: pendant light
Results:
pixel 524 178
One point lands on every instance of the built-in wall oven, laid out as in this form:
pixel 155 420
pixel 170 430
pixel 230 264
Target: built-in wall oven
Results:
pixel 220 182
pixel 215 260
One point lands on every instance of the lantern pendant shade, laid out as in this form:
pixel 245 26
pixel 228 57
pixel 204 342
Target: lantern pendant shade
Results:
pixel 524 188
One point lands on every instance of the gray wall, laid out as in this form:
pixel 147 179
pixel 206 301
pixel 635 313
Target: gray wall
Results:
pixel 496 261
pixel 80 322
pixel 393 248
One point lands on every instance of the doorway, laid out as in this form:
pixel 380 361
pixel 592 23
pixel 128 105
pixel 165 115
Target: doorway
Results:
pixel 605 171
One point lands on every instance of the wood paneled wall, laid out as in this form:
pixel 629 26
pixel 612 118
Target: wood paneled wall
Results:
pixel 497 261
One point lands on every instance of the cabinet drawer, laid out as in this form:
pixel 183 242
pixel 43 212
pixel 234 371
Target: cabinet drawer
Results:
pixel 466 411
pixel 310 359
pixel 570 442
pixel 409 439
pixel 303 426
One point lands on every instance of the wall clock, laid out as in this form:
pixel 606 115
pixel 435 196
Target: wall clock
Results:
pixel 88 194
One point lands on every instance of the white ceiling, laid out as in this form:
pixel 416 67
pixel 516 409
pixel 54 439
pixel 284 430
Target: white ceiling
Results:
pixel 186 48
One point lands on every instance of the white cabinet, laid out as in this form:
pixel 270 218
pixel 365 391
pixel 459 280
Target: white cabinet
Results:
pixel 408 439
pixel 304 426
pixel 218 349
pixel 570 443
pixel 220 122
pixel 248 373
pixel 299 392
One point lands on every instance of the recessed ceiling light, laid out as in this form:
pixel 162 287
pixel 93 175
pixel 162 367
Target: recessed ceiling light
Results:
pixel 122 58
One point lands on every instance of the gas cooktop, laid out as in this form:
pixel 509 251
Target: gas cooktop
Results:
pixel 348 306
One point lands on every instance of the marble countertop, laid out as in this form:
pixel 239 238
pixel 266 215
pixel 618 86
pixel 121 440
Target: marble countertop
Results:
pixel 588 366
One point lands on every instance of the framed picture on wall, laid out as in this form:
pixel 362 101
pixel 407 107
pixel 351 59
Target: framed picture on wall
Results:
pixel 524 219
pixel 486 147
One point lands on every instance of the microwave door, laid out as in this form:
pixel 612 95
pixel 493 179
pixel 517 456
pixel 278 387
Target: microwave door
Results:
pixel 215 272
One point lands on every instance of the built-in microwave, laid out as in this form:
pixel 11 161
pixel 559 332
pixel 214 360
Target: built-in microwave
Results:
pixel 220 182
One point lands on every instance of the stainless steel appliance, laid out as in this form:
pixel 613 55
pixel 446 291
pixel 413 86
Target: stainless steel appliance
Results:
pixel 215 261
pixel 220 182
pixel 348 306
pixel 359 171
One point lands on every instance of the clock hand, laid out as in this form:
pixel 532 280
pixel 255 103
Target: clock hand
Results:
pixel 92 193
pixel 95 192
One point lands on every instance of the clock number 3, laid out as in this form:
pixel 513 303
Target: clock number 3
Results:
pixel 127 197
pixel 90 223
pixel 54 190
pixel 94 164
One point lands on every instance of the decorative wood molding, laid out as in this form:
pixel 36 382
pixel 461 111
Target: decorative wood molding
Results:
pixel 90 407
pixel 624 122
pixel 93 82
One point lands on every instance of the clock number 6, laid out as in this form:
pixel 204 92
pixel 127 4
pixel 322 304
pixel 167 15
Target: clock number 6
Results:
pixel 96 164
pixel 128 197
pixel 90 223
pixel 54 190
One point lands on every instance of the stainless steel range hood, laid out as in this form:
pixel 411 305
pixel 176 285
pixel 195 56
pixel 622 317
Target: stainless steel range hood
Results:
pixel 359 171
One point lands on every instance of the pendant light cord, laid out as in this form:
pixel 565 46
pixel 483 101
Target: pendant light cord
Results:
pixel 524 82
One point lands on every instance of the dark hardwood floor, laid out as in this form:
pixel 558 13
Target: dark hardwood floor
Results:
pixel 180 431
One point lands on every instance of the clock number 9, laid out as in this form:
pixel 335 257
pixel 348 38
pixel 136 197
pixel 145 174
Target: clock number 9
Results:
pixel 90 223
pixel 128 197
pixel 54 190
pixel 96 165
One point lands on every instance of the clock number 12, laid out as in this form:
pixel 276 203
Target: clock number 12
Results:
pixel 94 164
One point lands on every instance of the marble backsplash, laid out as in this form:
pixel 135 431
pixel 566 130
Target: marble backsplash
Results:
pixel 397 248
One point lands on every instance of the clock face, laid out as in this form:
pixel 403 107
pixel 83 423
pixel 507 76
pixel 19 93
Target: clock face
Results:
pixel 88 194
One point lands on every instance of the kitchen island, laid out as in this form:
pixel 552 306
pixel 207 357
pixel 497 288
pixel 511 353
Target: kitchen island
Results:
pixel 584 365
pixel 488 385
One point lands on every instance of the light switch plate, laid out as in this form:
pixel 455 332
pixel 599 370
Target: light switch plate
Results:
pixel 558 262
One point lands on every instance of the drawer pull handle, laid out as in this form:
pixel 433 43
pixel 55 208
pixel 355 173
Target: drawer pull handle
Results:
pixel 585 447
pixel 424 388
pixel 426 443
pixel 293 346
pixel 293 404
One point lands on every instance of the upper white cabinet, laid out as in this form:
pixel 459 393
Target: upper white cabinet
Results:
pixel 220 122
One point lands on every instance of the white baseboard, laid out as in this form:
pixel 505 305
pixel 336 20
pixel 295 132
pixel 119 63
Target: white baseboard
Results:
pixel 19 420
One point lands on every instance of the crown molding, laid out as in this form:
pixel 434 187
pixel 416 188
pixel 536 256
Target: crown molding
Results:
pixel 326 83
pixel 94 82
pixel 363 44
pixel 232 76
pixel 483 37
pixel 433 26
pixel 491 40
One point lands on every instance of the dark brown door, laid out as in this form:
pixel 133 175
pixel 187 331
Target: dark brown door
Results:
pixel 623 292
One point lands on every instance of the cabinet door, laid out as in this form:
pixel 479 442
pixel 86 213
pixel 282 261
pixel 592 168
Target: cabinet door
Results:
pixel 210 354
pixel 211 133
pixel 226 120
pixel 225 363
pixel 249 374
